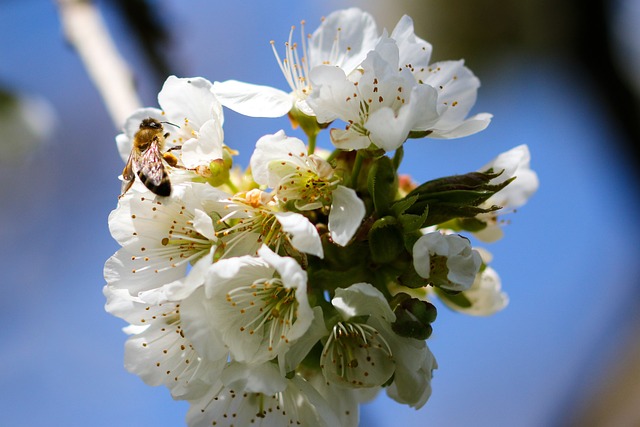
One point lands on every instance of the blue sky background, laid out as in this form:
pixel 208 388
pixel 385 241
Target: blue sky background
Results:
pixel 568 260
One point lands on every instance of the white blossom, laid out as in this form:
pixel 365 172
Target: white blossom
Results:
pixel 447 260
pixel 159 351
pixel 282 163
pixel 455 84
pixel 512 163
pixel 253 217
pixel 258 395
pixel 363 351
pixel 161 237
pixel 342 40
pixel 259 304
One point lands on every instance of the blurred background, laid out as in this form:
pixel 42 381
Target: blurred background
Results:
pixel 560 76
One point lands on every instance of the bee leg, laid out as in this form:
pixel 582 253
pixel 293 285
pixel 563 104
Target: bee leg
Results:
pixel 177 147
pixel 170 159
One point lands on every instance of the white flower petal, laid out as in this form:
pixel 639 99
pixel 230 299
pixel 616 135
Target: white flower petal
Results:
pixel 276 148
pixel 253 100
pixel 344 39
pixel 330 90
pixel 362 299
pixel 135 273
pixel 205 148
pixel 485 295
pixel 413 50
pixel 346 214
pixel 195 314
pixel 462 262
pixel 189 98
pixel 468 127
pixel 514 162
pixel 203 224
pixel 248 400
pixel 301 347
pixel 163 354
pixel 414 369
pixel 304 236
pixel 349 140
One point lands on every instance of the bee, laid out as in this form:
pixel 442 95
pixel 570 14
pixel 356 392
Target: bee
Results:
pixel 147 159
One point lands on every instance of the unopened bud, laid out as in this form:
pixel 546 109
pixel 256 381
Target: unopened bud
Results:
pixel 219 172
pixel 413 317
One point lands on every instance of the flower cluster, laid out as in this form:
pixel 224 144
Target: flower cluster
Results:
pixel 293 291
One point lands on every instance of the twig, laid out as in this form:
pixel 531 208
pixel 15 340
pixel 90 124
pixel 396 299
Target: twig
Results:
pixel 86 31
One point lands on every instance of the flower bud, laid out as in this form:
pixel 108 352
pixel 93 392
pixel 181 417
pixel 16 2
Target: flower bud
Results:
pixel 413 317
pixel 219 172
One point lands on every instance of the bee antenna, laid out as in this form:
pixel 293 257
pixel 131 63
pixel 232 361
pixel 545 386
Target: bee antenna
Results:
pixel 172 124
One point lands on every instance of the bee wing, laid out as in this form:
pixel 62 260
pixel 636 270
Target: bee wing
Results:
pixel 151 171
pixel 128 173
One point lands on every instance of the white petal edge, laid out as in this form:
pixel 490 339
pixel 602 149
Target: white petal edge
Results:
pixel 345 217
pixel 253 100
pixel 304 235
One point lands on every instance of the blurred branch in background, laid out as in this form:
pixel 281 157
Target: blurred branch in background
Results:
pixel 86 31
pixel 144 20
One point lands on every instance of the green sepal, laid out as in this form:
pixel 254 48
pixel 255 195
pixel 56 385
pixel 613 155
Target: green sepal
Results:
pixel 472 225
pixel 400 206
pixel 411 279
pixel 413 316
pixel 341 266
pixel 382 183
pixel 308 124
pixel 411 223
pixel 455 298
pixel 457 196
pixel 386 241
pixel 417 134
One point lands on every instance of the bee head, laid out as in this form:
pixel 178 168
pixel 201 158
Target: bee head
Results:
pixel 150 123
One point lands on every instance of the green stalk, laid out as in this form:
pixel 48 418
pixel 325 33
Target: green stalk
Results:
pixel 312 142
pixel 231 185
pixel 356 169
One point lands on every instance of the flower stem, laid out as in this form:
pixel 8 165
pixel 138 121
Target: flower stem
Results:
pixel 231 186
pixel 397 157
pixel 312 142
pixel 357 165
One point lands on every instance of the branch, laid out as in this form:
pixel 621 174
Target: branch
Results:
pixel 86 31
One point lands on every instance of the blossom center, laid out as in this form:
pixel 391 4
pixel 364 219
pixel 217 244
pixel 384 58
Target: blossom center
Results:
pixel 356 354
pixel 266 305
pixel 182 242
